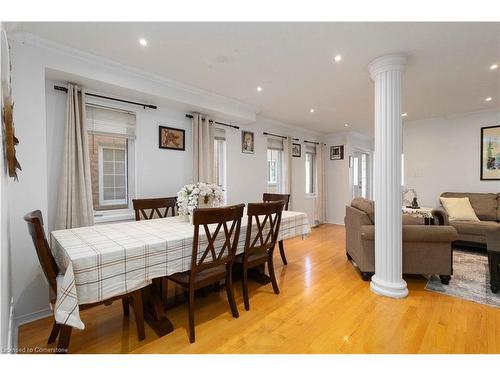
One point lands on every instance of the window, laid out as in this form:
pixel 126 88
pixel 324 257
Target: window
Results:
pixel 274 165
pixel 111 136
pixel 220 157
pixel 310 172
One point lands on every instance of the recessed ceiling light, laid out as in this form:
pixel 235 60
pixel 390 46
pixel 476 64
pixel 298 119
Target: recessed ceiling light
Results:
pixel 143 42
pixel 488 99
pixel 404 114
pixel 337 58
pixel 259 89
pixel 494 66
pixel 311 110
pixel 346 125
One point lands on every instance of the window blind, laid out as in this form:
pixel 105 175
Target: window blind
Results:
pixel 220 134
pixel 110 121
pixel 310 149
pixel 274 143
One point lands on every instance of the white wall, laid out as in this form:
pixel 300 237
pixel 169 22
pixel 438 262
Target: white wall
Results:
pixel 443 154
pixel 39 118
pixel 338 174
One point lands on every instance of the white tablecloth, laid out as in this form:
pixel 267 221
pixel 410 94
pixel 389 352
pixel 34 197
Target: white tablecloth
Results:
pixel 105 261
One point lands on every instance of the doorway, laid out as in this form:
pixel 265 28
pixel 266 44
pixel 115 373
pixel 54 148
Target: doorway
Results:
pixel 360 174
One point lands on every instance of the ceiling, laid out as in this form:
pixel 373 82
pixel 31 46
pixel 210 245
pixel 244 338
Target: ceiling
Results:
pixel 447 73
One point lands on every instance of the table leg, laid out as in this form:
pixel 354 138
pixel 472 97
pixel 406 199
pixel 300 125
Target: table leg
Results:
pixel 154 313
pixel 258 274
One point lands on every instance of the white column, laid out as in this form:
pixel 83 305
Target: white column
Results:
pixel 386 72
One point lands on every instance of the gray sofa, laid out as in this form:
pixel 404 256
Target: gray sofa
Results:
pixel 487 209
pixel 426 248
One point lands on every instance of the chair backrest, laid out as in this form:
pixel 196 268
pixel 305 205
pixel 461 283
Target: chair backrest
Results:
pixel 224 223
pixel 49 266
pixel 267 219
pixel 272 197
pixel 149 207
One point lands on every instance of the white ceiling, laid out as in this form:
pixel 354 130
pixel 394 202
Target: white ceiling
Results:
pixel 448 70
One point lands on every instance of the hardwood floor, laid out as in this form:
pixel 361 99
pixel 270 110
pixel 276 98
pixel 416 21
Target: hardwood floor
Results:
pixel 324 307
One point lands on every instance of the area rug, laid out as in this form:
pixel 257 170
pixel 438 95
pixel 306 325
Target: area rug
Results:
pixel 470 279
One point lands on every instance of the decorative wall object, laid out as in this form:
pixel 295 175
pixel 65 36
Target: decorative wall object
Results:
pixel 10 139
pixel 490 153
pixel 337 152
pixel 296 150
pixel 172 139
pixel 247 142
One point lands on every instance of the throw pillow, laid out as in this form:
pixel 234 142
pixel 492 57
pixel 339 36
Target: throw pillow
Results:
pixel 459 209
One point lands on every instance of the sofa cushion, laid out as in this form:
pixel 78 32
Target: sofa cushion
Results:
pixel 477 228
pixel 485 205
pixel 459 209
pixel 365 205
pixel 498 207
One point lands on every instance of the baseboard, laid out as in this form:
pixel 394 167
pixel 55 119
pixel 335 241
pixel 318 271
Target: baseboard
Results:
pixel 335 223
pixel 11 332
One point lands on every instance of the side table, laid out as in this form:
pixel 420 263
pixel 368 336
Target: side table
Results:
pixel 493 245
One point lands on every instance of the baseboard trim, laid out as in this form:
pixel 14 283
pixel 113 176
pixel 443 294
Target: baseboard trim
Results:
pixel 27 318
pixel 11 332
pixel 335 223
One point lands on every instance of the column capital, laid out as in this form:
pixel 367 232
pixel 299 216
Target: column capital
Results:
pixel 387 63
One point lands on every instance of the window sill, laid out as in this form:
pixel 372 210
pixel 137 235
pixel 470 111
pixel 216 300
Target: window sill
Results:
pixel 112 217
pixel 311 196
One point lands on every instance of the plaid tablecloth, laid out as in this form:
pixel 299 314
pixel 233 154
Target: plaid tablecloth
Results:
pixel 105 261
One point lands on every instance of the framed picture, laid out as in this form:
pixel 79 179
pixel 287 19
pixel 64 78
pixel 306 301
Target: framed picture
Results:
pixel 172 139
pixel 247 142
pixel 490 153
pixel 337 152
pixel 296 150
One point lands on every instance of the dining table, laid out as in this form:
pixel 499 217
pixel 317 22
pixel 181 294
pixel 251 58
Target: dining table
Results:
pixel 107 260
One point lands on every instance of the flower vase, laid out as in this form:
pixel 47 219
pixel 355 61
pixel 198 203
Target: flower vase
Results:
pixel 205 202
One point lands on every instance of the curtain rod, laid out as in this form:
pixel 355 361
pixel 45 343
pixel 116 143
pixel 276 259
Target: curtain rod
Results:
pixel 61 88
pixel 189 115
pixel 280 136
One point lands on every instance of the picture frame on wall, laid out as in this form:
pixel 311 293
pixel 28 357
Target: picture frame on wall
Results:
pixel 171 138
pixel 296 150
pixel 247 142
pixel 490 153
pixel 337 152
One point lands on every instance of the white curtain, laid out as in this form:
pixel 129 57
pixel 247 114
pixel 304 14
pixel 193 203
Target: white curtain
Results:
pixel 287 169
pixel 203 150
pixel 320 207
pixel 75 190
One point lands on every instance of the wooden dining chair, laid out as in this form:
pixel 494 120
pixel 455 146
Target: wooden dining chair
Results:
pixel 145 209
pixel 213 263
pixel 259 244
pixel 272 197
pixel 51 270
pixel 154 208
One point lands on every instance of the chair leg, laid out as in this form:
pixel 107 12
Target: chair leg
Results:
pixel 53 334
pixel 270 265
pixel 229 291
pixel 245 288
pixel 64 338
pixel 139 314
pixel 282 252
pixel 164 288
pixel 191 315
pixel 125 303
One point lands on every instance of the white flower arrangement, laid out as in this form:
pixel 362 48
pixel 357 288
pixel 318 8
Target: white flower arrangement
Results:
pixel 197 195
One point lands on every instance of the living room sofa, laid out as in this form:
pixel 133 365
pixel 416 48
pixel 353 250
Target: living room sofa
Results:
pixel 486 207
pixel 426 248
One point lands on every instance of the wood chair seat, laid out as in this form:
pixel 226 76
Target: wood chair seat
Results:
pixel 255 258
pixel 202 278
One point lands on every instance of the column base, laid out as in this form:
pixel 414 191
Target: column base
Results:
pixel 388 289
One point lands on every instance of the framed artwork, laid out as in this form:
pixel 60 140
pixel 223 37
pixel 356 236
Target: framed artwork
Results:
pixel 296 150
pixel 490 153
pixel 172 139
pixel 247 142
pixel 337 152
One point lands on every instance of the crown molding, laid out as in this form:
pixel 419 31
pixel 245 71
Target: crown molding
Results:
pixel 34 40
pixel 291 127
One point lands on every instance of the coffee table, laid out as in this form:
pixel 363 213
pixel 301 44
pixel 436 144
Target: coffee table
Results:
pixel 493 245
